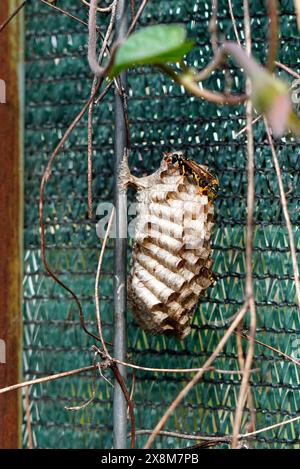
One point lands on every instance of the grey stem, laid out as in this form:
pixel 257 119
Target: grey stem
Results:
pixel 120 201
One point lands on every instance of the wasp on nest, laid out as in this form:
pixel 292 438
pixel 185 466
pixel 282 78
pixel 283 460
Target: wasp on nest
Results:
pixel 171 267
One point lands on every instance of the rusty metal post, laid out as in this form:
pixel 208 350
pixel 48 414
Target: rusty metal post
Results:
pixel 11 131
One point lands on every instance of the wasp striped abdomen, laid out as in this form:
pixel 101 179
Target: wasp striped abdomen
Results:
pixel 207 181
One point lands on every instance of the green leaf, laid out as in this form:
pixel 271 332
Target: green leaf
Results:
pixel 152 45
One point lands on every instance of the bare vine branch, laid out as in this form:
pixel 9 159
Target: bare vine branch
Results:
pixel 197 377
pixel 96 68
pixel 189 83
pixel 107 9
pixel 91 109
pixel 45 379
pixel 225 439
pixel 107 363
pixel 97 302
pixel 244 389
pixel 89 401
pixel 64 12
pixel 45 178
pixel 285 213
pixel 279 352
pixel 137 17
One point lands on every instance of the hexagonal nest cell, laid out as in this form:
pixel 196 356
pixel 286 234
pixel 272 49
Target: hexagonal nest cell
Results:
pixel 171 262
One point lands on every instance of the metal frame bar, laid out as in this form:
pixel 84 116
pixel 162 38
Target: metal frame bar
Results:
pixel 11 222
pixel 120 291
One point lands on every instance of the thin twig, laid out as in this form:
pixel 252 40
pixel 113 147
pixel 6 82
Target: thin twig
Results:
pixel 185 436
pixel 107 363
pixel 45 178
pixel 73 17
pixel 239 344
pixel 285 213
pixel 287 69
pixel 271 52
pixel 132 8
pixel 213 29
pixel 226 439
pixel 89 401
pixel 213 65
pixel 64 12
pixel 133 383
pixel 45 379
pixel 273 31
pixel 263 344
pixel 240 354
pixel 84 404
pixel 180 370
pixel 273 34
pixel 278 64
pixel 270 427
pixel 28 417
pixel 137 17
pixel 107 9
pixel 198 375
pixel 122 384
pixel 221 322
pixel 96 68
pixel 101 71
pixel 92 367
pixel 233 21
pixel 242 366
pixel 13 14
pixel 97 302
pixel 240 132
pixel 90 113
pixel 90 153
pixel 244 389
pixel 188 82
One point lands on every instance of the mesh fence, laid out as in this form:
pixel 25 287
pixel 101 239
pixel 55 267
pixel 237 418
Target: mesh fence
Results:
pixel 162 117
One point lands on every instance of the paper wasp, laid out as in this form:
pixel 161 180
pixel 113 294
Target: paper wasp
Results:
pixel 212 277
pixel 207 181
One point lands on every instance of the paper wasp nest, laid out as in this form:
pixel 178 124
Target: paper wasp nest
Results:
pixel 171 265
